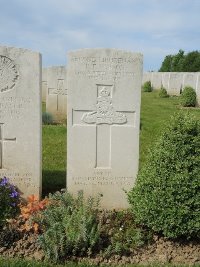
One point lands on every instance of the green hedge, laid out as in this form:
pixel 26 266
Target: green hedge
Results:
pixel 166 197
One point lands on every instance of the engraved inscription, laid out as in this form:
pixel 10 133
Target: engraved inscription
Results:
pixel 105 113
pixel 8 74
pixel 21 179
pixel 13 107
pixel 108 68
pixel 2 140
pixel 103 181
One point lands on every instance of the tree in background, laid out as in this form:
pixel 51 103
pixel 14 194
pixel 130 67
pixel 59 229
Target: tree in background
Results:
pixel 181 62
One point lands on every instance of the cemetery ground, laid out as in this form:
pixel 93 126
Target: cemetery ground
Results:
pixel 155 113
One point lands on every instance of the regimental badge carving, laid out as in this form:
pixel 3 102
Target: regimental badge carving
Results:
pixel 8 74
pixel 105 112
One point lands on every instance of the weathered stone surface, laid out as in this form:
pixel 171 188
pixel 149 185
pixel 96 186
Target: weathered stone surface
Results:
pixel 146 77
pixel 190 79
pixel 175 83
pixel 156 80
pixel 104 92
pixel 20 118
pixel 56 98
pixel 165 80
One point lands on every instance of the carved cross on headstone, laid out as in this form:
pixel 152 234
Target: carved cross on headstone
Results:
pixel 2 140
pixel 103 118
pixel 58 92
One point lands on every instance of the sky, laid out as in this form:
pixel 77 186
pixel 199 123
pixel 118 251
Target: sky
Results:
pixel 155 28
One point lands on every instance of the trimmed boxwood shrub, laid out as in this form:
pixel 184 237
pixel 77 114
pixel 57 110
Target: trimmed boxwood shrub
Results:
pixel 188 97
pixel 147 87
pixel 166 197
pixel 163 92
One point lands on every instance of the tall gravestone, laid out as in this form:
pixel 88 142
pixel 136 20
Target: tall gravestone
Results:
pixel 20 118
pixel 56 99
pixel 104 92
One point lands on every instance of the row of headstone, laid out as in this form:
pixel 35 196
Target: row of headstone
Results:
pixel 174 82
pixel 104 88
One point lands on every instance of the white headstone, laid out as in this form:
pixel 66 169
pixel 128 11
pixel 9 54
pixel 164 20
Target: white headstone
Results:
pixel 165 80
pixel 156 80
pixel 44 84
pixel 104 92
pixel 56 101
pixel 190 79
pixel 146 77
pixel 20 118
pixel 175 83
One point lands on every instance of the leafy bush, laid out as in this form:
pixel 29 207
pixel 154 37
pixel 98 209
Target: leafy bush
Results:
pixel 166 197
pixel 188 97
pixel 163 93
pixel 9 200
pixel 70 226
pixel 47 118
pixel 147 87
pixel 119 233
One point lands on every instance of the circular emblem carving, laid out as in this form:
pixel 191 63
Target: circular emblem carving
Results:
pixel 8 74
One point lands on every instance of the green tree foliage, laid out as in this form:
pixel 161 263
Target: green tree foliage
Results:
pixel 181 62
pixel 166 197
pixel 191 62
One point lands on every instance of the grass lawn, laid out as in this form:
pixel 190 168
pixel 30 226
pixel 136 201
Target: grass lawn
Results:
pixel 155 113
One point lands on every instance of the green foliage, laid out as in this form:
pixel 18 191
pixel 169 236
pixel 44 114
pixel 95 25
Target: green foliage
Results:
pixel 9 200
pixel 147 87
pixel 163 93
pixel 70 226
pixel 47 118
pixel 166 197
pixel 191 62
pixel 166 64
pixel 119 233
pixel 181 63
pixel 188 97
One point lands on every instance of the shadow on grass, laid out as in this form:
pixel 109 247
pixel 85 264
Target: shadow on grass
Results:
pixel 53 181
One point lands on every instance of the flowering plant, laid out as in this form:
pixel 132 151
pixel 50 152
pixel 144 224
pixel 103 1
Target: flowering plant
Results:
pixel 9 200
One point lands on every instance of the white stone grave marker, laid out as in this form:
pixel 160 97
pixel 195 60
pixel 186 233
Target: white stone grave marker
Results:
pixel 56 102
pixel 104 91
pixel 20 119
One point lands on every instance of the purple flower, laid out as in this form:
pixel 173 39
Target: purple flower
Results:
pixel 14 194
pixel 4 181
